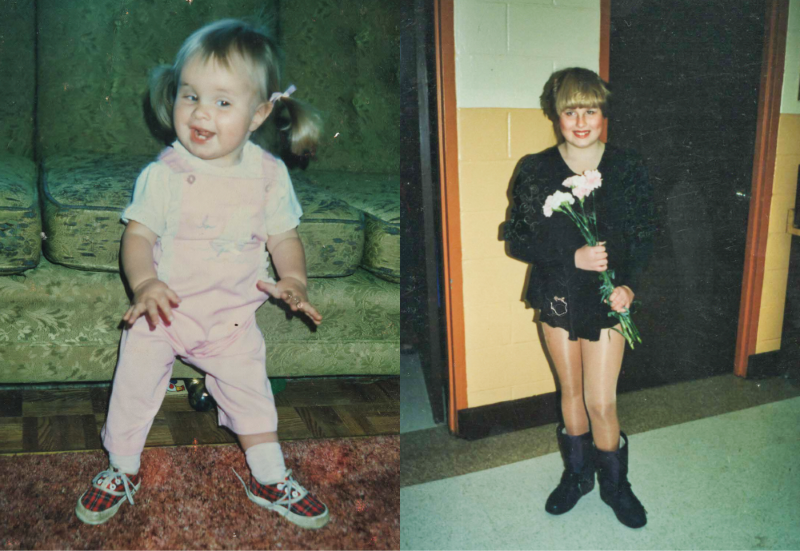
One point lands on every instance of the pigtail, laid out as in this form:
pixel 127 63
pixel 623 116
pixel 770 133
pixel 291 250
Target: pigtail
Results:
pixel 162 94
pixel 302 127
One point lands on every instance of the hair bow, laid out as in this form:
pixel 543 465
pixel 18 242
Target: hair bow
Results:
pixel 278 95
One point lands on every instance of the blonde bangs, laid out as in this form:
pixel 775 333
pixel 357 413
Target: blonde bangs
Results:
pixel 235 45
pixel 576 92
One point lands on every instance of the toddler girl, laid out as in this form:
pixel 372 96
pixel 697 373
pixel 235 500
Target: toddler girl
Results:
pixel 193 254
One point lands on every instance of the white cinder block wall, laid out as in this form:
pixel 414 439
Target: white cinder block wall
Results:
pixel 790 102
pixel 505 52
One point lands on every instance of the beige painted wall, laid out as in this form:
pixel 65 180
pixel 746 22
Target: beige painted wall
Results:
pixel 784 190
pixel 505 51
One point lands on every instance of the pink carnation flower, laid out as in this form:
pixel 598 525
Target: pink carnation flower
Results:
pixel 583 185
pixel 581 192
pixel 554 202
pixel 593 179
pixel 574 182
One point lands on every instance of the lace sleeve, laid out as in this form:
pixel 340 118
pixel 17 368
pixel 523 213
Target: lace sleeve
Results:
pixel 518 230
pixel 530 235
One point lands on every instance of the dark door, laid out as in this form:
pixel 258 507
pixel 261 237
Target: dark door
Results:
pixel 685 77
pixel 422 331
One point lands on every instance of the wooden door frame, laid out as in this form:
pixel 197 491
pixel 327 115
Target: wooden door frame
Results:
pixel 605 51
pixel 445 43
pixel 769 108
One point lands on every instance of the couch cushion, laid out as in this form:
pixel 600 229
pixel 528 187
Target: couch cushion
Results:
pixel 58 324
pixel 20 220
pixel 378 196
pixel 332 232
pixel 85 194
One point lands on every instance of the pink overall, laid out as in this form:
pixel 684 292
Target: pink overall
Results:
pixel 212 262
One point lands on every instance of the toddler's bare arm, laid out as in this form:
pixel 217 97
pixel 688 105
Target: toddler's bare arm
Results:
pixel 289 258
pixel 150 295
pixel 137 253
pixel 288 255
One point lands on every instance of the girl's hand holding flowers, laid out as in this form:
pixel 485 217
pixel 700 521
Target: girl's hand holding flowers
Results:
pixel 592 259
pixel 293 292
pixel 151 298
pixel 621 299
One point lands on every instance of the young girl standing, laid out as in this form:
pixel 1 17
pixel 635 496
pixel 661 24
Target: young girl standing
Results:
pixel 193 254
pixel 564 284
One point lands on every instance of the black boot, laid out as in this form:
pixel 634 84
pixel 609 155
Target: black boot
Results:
pixel 578 478
pixel 615 490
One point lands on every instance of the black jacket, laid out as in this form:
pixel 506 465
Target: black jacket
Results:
pixel 625 219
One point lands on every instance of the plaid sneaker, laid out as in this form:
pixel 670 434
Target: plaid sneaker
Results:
pixel 289 499
pixel 109 490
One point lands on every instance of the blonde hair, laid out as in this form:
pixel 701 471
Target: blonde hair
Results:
pixel 571 88
pixel 226 42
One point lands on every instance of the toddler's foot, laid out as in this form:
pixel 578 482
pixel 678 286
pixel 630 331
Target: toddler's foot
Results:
pixel 110 488
pixel 289 499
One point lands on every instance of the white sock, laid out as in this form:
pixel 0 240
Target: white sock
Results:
pixel 128 464
pixel 266 462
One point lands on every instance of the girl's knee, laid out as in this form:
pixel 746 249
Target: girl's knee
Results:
pixel 602 411
pixel 572 393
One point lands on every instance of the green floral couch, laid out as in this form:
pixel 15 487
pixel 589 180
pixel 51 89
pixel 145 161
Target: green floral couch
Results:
pixel 63 187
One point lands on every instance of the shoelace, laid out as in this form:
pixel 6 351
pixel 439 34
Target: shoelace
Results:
pixel 293 492
pixel 111 475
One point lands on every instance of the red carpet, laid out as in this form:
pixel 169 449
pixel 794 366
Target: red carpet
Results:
pixel 190 499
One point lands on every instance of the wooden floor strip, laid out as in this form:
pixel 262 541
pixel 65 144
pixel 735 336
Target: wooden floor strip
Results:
pixel 11 434
pixel 71 419
pixel 11 404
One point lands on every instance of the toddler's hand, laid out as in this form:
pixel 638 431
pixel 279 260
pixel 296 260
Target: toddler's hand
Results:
pixel 293 293
pixel 150 297
pixel 621 298
pixel 592 259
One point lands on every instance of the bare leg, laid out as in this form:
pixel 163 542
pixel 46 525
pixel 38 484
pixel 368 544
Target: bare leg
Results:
pixel 250 440
pixel 602 364
pixel 566 356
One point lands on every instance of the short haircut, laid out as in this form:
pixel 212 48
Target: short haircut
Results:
pixel 571 88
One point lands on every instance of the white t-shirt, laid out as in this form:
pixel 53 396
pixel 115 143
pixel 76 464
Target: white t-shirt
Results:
pixel 154 205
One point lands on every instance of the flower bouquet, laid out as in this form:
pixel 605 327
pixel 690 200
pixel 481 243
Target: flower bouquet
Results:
pixel 583 186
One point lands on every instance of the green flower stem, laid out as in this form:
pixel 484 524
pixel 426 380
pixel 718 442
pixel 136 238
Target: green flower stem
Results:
pixel 628 328
pixel 587 224
pixel 582 224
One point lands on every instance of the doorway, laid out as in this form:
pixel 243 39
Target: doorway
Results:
pixel 424 361
pixel 685 80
